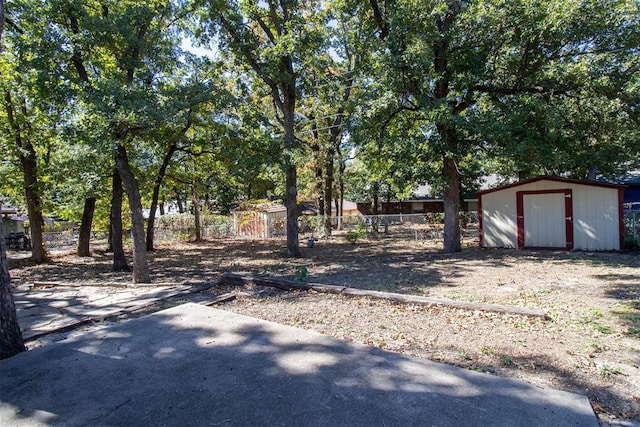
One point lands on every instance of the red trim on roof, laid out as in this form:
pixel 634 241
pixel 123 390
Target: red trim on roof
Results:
pixel 552 178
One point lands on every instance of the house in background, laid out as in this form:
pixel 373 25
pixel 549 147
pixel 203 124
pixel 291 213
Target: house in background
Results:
pixel 416 206
pixel 552 213
pixel 631 180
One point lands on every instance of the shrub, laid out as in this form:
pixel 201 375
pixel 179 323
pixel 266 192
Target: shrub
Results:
pixel 357 233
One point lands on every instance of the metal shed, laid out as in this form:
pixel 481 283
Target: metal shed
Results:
pixel 552 213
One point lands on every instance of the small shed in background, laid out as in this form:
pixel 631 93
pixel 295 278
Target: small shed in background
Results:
pixel 262 220
pixel 11 223
pixel 552 213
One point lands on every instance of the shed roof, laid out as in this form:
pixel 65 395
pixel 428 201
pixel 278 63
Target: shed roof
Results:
pixel 552 178
pixel 7 209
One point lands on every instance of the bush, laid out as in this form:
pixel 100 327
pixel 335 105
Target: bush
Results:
pixel 358 233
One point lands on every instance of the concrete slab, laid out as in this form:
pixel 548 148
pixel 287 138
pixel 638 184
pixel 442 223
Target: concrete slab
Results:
pixel 194 365
pixel 45 310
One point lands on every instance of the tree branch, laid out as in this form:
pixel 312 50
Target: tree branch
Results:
pixel 516 90
pixel 383 25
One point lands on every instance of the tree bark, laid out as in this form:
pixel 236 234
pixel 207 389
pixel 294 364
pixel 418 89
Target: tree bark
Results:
pixel 342 165
pixel 291 173
pixel 11 342
pixel 34 207
pixel 451 207
pixel 328 190
pixel 178 200
pixel 291 203
pixel 140 263
pixel 29 165
pixel 196 214
pixel 115 231
pixel 84 237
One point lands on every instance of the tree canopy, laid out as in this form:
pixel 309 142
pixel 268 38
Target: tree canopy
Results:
pixel 217 102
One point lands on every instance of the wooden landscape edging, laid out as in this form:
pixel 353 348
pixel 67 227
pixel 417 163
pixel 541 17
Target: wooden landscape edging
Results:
pixel 240 280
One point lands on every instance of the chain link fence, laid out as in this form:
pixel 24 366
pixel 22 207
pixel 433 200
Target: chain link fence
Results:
pixel 632 229
pixel 429 226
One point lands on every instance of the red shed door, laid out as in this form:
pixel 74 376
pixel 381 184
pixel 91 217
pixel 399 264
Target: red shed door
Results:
pixel 545 219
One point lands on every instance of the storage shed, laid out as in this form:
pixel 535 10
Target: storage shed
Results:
pixel 552 213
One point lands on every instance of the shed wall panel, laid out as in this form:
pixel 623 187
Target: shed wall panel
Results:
pixel 596 219
pixel 499 220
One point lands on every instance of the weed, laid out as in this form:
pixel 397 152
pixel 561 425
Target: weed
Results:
pixel 590 316
pixel 634 331
pixel 553 315
pixel 604 330
pixel 506 361
pixel 301 273
pixel 357 233
pixel 629 313
pixel 486 350
pixel 521 325
pixel 597 348
pixel 464 355
pixel 608 371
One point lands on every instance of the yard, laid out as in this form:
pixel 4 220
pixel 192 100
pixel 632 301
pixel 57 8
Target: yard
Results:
pixel 590 343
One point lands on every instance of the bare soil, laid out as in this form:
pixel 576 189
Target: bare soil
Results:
pixel 590 344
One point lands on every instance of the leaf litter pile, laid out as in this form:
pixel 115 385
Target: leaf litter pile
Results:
pixel 589 343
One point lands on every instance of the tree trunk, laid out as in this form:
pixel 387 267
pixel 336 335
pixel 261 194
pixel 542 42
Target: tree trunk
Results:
pixel 34 208
pixel 374 207
pixel 178 200
pixel 291 203
pixel 11 342
pixel 328 190
pixel 28 162
pixel 291 173
pixel 84 237
pixel 140 264
pixel 451 206
pixel 116 232
pixel 196 214
pixel 318 162
pixel 156 195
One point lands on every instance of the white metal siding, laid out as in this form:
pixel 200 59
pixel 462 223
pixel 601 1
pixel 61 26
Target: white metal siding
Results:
pixel 596 219
pixel 499 226
pixel 595 215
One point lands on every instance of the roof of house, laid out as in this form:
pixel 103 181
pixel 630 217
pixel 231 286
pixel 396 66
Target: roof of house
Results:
pixel 632 177
pixel 554 179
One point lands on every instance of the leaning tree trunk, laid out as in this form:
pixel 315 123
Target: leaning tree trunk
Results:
pixel 115 230
pixel 156 193
pixel 11 342
pixel 84 237
pixel 140 264
pixel 451 207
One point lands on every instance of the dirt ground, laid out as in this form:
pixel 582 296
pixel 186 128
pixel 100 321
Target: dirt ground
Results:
pixel 589 344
